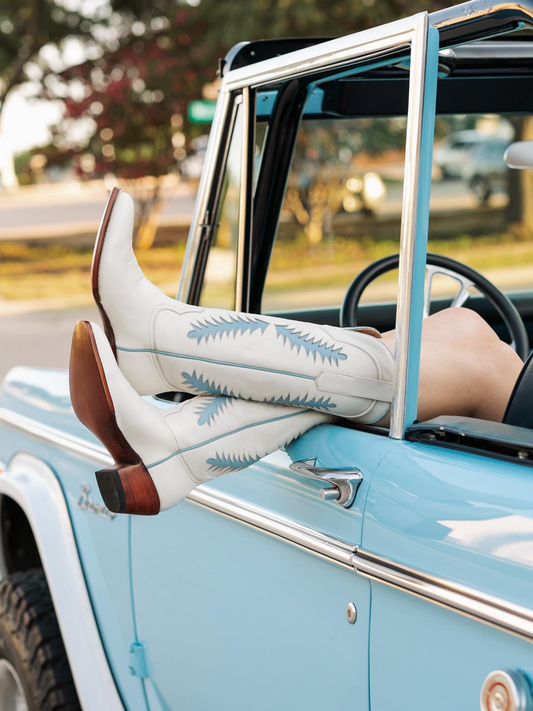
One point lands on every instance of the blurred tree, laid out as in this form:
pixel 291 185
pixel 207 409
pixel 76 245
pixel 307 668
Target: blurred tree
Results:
pixel 132 100
pixel 133 103
pixel 26 26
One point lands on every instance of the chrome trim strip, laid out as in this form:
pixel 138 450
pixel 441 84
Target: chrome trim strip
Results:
pixel 467 601
pixel 327 55
pixel 68 443
pixel 469 12
pixel 410 239
pixel 311 540
pixel 488 609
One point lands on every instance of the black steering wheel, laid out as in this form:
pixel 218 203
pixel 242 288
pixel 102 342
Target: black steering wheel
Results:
pixel 437 264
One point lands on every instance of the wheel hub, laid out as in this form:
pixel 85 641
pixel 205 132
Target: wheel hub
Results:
pixel 11 691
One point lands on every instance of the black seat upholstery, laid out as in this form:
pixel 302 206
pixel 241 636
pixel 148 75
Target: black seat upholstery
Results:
pixel 519 411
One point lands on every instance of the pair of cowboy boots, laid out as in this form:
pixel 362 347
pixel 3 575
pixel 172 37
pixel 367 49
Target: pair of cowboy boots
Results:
pixel 259 382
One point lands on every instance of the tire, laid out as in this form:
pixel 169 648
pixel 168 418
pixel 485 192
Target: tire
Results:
pixel 33 660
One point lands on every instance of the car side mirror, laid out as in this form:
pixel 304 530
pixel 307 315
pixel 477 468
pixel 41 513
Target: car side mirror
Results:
pixel 519 155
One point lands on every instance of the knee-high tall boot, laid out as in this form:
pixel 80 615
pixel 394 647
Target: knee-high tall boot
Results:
pixel 163 344
pixel 162 454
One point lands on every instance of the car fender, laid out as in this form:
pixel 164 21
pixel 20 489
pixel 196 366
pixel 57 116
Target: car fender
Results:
pixel 34 487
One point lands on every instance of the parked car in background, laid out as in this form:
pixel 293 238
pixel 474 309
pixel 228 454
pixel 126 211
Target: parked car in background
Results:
pixel 453 153
pixel 485 169
pixel 362 568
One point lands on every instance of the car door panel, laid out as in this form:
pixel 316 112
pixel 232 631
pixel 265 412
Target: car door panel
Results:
pixel 234 618
pixel 423 656
pixel 465 517
pixel 209 589
pixel 467 520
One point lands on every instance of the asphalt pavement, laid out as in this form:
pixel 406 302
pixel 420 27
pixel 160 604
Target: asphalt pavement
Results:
pixel 40 338
pixel 52 212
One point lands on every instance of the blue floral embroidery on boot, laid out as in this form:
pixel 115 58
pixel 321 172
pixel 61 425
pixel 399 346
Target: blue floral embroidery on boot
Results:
pixel 228 326
pixel 226 463
pixel 205 386
pixel 313 404
pixel 210 409
pixel 312 346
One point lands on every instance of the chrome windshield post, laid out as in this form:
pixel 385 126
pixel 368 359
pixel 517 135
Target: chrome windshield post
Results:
pixel 414 225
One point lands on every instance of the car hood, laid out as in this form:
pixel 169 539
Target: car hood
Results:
pixel 42 394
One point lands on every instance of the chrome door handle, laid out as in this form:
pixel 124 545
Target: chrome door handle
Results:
pixel 342 483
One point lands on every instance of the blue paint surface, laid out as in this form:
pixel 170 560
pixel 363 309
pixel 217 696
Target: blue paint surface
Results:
pixel 103 545
pixel 464 517
pixel 229 592
pixel 423 657
pixel 243 621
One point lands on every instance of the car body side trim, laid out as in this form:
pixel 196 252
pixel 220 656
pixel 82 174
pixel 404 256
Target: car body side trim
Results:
pixel 465 600
pixel 477 605
pixel 66 442
pixel 311 540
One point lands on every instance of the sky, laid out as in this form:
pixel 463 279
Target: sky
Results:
pixel 25 121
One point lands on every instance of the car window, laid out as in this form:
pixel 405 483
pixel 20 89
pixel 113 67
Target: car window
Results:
pixel 341 211
pixel 343 204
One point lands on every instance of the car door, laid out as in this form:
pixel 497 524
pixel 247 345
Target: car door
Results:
pixel 448 542
pixel 245 595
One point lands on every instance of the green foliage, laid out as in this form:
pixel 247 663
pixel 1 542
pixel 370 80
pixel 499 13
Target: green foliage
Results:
pixel 134 97
pixel 26 26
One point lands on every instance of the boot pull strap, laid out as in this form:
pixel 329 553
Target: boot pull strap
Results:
pixel 355 386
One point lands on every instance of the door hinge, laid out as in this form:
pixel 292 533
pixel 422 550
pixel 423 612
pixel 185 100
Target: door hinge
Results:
pixel 139 661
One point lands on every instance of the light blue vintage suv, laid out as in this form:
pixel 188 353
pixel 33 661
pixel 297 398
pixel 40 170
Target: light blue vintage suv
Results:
pixel 363 567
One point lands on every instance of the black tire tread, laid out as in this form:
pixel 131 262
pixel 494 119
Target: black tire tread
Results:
pixel 27 612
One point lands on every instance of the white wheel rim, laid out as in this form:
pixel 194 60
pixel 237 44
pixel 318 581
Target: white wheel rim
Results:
pixel 11 692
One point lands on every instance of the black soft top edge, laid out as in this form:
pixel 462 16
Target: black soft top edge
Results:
pixel 460 23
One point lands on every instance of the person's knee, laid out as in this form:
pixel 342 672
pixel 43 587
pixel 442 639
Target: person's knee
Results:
pixel 467 325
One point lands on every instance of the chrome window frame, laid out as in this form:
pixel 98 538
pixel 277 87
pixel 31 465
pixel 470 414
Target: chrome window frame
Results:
pixel 336 56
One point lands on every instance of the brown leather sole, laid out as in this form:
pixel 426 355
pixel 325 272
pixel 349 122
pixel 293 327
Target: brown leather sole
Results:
pixel 95 268
pixel 126 487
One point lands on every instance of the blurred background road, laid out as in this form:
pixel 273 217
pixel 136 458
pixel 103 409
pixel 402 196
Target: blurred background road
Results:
pixel 40 338
pixel 73 212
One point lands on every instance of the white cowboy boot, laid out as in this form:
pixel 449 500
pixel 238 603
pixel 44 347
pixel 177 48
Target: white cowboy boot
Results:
pixel 162 344
pixel 162 454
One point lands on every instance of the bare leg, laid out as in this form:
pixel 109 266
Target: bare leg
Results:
pixel 465 369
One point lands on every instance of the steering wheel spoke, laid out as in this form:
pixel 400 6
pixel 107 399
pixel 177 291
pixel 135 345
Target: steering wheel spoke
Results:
pixel 459 299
